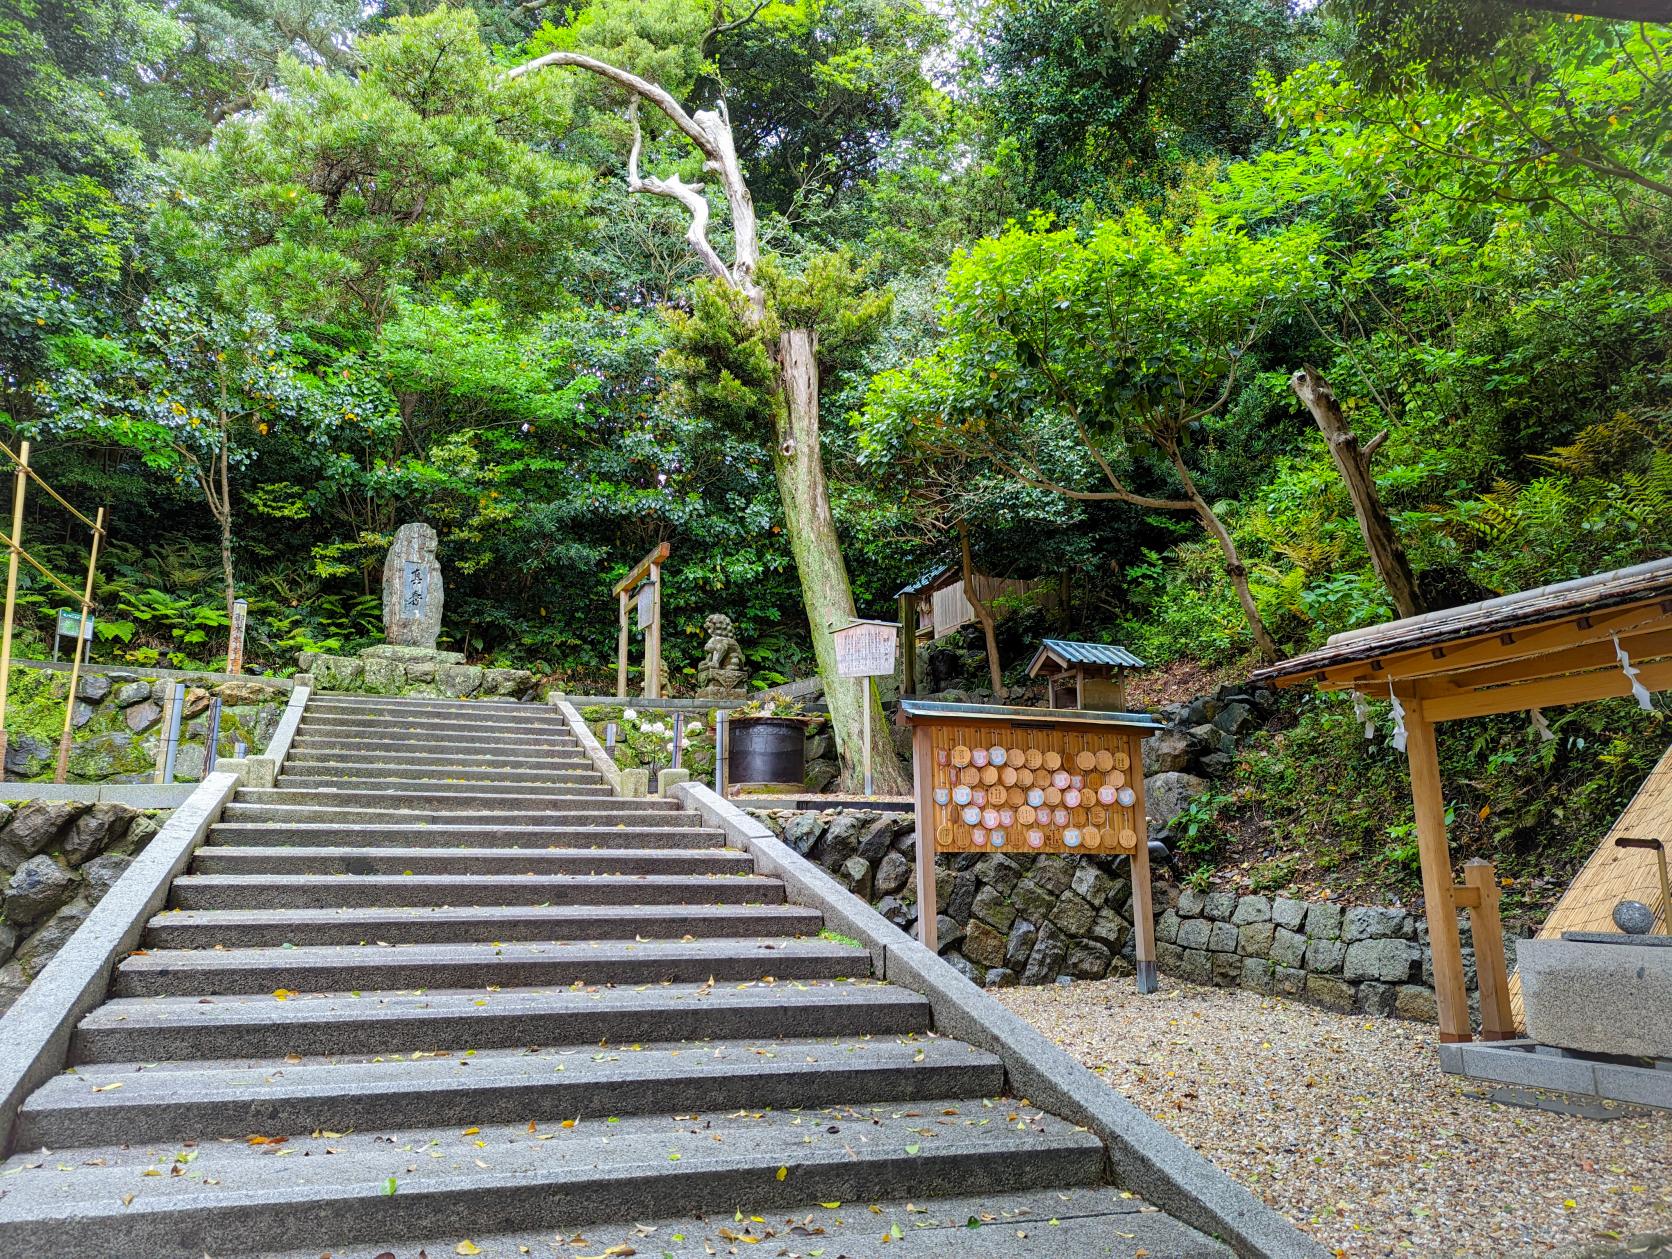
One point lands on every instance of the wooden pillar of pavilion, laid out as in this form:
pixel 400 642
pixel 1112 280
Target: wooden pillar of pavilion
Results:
pixel 1434 850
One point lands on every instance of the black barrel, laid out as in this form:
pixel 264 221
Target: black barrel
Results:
pixel 767 750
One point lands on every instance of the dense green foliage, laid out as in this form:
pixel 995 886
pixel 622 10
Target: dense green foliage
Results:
pixel 277 275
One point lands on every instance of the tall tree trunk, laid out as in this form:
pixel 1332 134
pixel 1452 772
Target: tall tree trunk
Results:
pixel 1387 554
pixel 1234 568
pixel 225 514
pixel 983 613
pixel 825 590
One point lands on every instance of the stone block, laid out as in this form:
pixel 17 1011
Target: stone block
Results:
pixel 412 590
pixel 1088 960
pixel 1257 975
pixel 635 783
pixel 1288 914
pixel 1053 873
pixel 1167 927
pixel 132 693
pixel 964 887
pixel 1325 956
pixel 1073 915
pixel 100 874
pixel 1168 752
pixel 36 826
pixel 1387 961
pixel 1195 965
pixel 892 873
pixel 874 840
pixel 1194 933
pixel 1000 872
pixel 1640 1086
pixel 1002 977
pixel 385 677
pixel 1599 998
pixel 1046 961
pixel 1288 981
pixel 855 875
pixel 1168 795
pixel 1251 909
pixel 1323 921
pixel 1033 901
pixel 1191 903
pixel 37 888
pixel 337 673
pixel 1018 945
pixel 840 841
pixel 1227 969
pixel 1288 948
pixel 1168 958
pixel 802 831
pixel 1332 994
pixel 993 909
pixel 1111 929
pixel 1413 1001
pixel 1222 938
pixel 1377 999
pixel 1254 939
pixel 1220 906
pixel 103 826
pixel 1529 1068
pixel 1370 922
pixel 983 945
pixel 1092 883
pixel 458 680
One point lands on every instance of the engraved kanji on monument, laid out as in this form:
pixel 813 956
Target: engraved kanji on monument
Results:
pixel 412 589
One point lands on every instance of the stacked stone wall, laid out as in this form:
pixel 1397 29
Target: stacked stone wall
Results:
pixel 1013 918
pixel 57 858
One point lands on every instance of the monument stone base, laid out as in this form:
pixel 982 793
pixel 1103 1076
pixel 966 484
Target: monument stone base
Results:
pixel 411 655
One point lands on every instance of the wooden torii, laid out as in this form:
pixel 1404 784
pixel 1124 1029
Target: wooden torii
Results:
pixel 648 569
pixel 1592 638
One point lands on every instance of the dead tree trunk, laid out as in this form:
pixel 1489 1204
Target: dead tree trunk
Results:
pixel 1387 554
pixel 983 614
pixel 797 458
pixel 826 591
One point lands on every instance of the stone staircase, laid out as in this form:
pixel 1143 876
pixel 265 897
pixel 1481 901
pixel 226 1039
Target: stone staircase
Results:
pixel 439 992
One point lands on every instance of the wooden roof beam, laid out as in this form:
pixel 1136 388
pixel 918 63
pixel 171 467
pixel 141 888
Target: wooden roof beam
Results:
pixel 1576 688
pixel 1490 649
pixel 1642 648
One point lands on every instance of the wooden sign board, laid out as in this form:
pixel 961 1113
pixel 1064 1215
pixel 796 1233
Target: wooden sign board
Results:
pixel 1027 781
pixel 866 649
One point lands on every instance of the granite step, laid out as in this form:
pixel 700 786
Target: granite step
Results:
pixel 504 1177
pixel 521 743
pixel 382 793
pixel 460 726
pixel 359 702
pixel 1063 1222
pixel 366 1021
pixel 435 924
pixel 503 964
pixel 419 788
pixel 336 891
pixel 621 858
pixel 462 754
pixel 370 828
pixel 124 1103
pixel 446 772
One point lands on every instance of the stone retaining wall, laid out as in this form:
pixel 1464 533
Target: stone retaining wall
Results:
pixel 57 858
pixel 116 728
pixel 1014 918
pixel 407 671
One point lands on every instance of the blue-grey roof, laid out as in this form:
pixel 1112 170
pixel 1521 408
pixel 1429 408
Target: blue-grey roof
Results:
pixel 1086 653
pixel 1001 712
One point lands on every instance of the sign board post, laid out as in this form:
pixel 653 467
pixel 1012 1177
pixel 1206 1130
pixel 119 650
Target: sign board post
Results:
pixel 990 778
pixel 73 626
pixel 647 571
pixel 865 650
pixel 235 639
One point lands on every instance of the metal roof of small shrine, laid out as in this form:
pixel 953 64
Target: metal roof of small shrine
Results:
pixel 1070 652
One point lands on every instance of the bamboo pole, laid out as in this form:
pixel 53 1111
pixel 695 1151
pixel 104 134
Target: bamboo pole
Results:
pixel 81 636
pixel 20 484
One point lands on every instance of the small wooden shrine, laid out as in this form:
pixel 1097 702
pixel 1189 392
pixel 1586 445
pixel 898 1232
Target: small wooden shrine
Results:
pixel 1084 675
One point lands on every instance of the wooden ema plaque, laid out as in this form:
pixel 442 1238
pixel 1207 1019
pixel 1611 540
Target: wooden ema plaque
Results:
pixel 1028 781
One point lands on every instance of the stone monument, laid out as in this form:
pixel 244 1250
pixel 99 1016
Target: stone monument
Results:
pixel 412 593
pixel 722 673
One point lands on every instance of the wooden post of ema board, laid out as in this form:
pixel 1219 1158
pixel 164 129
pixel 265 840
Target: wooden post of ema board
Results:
pixel 621 650
pixel 1497 1020
pixel 922 773
pixel 653 637
pixel 1143 903
pixel 1428 795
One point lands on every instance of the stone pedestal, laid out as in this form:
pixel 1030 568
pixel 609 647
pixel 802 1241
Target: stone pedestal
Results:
pixel 412 594
pixel 1600 998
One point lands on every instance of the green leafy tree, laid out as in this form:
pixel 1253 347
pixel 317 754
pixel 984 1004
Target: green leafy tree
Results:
pixel 1076 354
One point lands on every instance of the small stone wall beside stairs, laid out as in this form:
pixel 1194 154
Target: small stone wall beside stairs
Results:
pixel 1015 918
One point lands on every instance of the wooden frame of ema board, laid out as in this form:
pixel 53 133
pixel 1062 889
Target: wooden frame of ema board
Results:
pixel 1025 781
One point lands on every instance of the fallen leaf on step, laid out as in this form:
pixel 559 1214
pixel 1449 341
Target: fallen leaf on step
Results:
pixel 468 1247
pixel 108 1088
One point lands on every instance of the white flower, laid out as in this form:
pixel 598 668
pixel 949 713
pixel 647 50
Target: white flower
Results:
pixel 631 714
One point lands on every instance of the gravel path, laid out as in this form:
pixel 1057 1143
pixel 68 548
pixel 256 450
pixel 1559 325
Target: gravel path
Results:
pixel 1349 1128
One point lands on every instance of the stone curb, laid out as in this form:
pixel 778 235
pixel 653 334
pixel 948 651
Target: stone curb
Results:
pixel 35 1032
pixel 589 743
pixel 1146 1157
pixel 278 747
pixel 134 795
pixel 150 672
